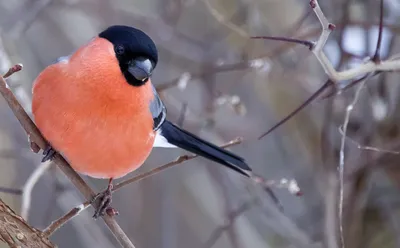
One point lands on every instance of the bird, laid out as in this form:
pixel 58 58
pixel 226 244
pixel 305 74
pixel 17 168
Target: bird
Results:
pixel 99 109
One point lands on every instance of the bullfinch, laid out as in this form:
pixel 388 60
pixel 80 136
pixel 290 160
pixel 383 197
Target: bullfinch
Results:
pixel 100 110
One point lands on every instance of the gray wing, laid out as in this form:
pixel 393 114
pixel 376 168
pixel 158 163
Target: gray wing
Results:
pixel 158 110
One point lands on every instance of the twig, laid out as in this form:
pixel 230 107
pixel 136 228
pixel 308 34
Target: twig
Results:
pixel 55 225
pixel 391 64
pixel 10 191
pixel 17 233
pixel 290 185
pixel 177 161
pixel 243 65
pixel 12 70
pixel 182 115
pixel 368 148
pixel 296 28
pixel 331 216
pixel 28 187
pixel 232 231
pixel 349 109
pixel 220 18
pixel 298 109
pixel 368 67
pixel 317 50
pixel 377 56
pixel 306 43
pixel 216 234
pixel 58 223
pixel 351 84
pixel 36 137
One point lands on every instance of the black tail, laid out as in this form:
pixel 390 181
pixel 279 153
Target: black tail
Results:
pixel 187 141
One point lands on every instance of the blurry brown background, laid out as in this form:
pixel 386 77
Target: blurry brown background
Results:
pixel 209 39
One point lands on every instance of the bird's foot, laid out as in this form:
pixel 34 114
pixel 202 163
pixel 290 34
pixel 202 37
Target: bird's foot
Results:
pixel 48 154
pixel 104 206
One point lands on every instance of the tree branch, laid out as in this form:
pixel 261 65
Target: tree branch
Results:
pixel 391 64
pixel 233 215
pixel 377 55
pixel 341 167
pixel 28 187
pixel 17 233
pixel 55 225
pixel 10 191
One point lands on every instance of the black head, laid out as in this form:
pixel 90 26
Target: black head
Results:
pixel 136 52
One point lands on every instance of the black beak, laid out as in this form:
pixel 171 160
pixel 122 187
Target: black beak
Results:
pixel 141 68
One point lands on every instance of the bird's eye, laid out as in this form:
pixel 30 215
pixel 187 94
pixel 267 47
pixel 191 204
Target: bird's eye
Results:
pixel 119 49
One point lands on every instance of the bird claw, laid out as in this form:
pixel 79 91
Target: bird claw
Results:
pixel 48 154
pixel 105 204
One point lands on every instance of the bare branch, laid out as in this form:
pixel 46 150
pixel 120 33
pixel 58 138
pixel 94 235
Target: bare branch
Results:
pixel 367 148
pixel 217 233
pixel 351 84
pixel 349 109
pixel 159 169
pixel 10 191
pixel 220 18
pixel 368 67
pixel 55 225
pixel 12 70
pixel 306 43
pixel 392 64
pixel 182 115
pixel 298 109
pixel 28 187
pixel 377 56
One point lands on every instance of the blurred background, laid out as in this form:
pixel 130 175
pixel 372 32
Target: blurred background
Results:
pixel 225 85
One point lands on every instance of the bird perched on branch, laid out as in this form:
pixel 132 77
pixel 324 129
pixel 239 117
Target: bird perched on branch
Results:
pixel 100 110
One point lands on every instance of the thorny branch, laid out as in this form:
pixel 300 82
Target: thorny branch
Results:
pixel 359 74
pixel 37 141
pixel 369 67
pixel 391 64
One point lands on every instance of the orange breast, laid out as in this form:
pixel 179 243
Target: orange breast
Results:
pixel 89 113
